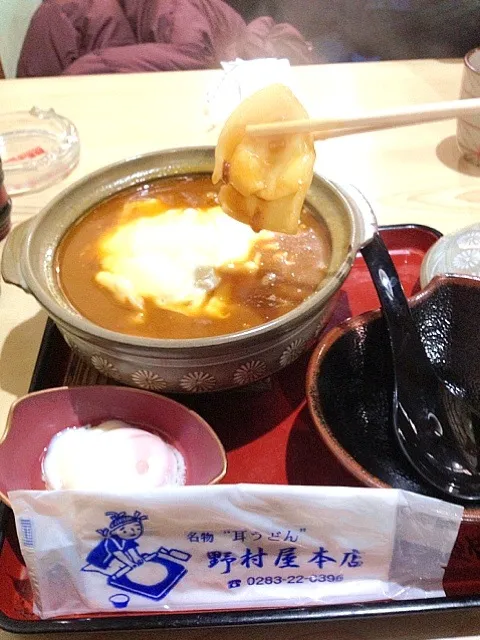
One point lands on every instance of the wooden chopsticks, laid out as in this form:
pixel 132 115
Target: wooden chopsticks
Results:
pixel 323 128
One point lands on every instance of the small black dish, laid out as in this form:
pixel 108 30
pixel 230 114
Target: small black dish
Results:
pixel 349 382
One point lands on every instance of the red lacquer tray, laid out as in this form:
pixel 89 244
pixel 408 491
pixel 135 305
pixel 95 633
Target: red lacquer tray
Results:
pixel 269 438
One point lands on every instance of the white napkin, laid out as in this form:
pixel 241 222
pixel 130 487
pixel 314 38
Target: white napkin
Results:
pixel 239 80
pixel 231 546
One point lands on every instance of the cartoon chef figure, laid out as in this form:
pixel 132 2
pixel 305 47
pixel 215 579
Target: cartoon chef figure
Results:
pixel 119 547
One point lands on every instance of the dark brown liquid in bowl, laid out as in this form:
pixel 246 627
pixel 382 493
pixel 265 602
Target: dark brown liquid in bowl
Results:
pixel 288 273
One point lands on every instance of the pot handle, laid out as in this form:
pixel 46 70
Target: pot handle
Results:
pixel 367 223
pixel 12 256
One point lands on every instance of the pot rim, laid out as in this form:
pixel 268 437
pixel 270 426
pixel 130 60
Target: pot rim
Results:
pixel 80 324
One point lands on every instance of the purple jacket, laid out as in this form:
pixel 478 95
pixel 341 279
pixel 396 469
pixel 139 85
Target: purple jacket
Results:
pixel 120 36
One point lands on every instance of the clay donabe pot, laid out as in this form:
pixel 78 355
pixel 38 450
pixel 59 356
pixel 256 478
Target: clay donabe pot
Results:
pixel 187 365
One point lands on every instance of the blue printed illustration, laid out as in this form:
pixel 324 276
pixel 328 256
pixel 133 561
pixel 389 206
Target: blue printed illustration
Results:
pixel 118 558
pixel 120 600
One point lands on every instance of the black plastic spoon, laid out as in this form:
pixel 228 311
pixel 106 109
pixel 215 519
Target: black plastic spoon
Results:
pixel 437 430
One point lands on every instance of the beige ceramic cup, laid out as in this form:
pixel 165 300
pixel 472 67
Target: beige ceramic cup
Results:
pixel 468 126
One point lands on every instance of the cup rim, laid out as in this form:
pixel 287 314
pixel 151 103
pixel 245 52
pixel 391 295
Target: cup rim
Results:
pixel 466 60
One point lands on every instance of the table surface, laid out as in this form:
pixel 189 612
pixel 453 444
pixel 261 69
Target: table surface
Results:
pixel 411 175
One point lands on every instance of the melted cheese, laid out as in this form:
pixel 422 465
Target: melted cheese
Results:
pixel 173 259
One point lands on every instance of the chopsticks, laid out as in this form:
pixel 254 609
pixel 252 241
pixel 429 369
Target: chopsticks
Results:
pixel 324 128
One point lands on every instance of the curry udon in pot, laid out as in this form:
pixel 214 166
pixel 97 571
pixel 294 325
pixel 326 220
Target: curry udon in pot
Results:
pixel 151 285
pixel 162 260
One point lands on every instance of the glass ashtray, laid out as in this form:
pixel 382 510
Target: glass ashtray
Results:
pixel 38 148
pixel 457 253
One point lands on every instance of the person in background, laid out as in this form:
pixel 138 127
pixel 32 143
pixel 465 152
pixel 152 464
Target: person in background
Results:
pixel 75 37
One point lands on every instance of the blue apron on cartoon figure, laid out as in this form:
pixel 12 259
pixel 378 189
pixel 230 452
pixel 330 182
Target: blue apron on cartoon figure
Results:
pixel 119 542
pixel 117 557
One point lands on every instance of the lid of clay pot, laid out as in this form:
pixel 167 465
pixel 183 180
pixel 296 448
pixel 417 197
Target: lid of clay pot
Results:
pixel 456 253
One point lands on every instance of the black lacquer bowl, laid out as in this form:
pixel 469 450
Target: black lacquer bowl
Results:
pixel 349 382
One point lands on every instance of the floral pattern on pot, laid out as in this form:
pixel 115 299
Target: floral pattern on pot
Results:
pixel 468 260
pixel 292 352
pixel 198 382
pixel 104 366
pixel 470 240
pixel 250 372
pixel 233 372
pixel 148 380
pixel 468 257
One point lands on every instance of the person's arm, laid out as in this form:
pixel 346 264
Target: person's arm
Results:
pixel 135 556
pixel 50 45
pixel 61 32
pixel 124 558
